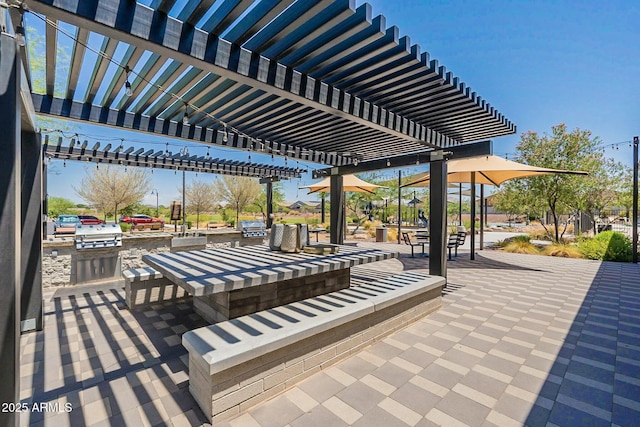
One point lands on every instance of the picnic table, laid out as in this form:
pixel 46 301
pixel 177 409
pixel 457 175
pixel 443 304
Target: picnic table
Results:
pixel 317 231
pixel 232 282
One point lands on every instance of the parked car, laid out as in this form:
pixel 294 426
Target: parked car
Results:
pixel 66 224
pixel 141 219
pixel 90 220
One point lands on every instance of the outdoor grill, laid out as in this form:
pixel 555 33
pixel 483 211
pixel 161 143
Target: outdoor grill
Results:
pixel 98 236
pixel 256 228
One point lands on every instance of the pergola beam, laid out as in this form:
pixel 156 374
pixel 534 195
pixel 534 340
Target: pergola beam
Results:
pixel 458 152
pixel 160 160
pixel 211 53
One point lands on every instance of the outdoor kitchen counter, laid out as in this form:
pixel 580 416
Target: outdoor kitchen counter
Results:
pixel 231 282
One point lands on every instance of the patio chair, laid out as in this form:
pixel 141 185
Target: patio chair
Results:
pixel 462 236
pixel 452 243
pixel 407 240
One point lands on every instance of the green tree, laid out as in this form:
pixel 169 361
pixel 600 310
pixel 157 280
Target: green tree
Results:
pixel 559 193
pixel 624 192
pixel 238 191
pixel 59 206
pixel 512 201
pixel 600 188
pixel 277 197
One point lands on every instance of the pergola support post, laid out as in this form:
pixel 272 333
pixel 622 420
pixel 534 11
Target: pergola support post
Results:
pixel 269 191
pixel 31 240
pixel 399 205
pixel 483 210
pixel 472 240
pixel 634 219
pixel 336 199
pixel 438 218
pixel 10 227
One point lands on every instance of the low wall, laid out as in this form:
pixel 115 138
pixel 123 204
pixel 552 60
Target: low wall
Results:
pixel 63 265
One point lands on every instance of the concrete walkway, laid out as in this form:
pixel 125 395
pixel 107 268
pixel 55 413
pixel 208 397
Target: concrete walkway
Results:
pixel 520 340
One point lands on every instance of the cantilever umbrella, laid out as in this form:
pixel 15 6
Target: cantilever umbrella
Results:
pixel 349 183
pixel 492 170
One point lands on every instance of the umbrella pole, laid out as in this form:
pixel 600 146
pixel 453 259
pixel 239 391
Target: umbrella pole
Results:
pixel 473 216
pixel 460 205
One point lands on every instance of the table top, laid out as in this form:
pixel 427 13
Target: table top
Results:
pixel 209 271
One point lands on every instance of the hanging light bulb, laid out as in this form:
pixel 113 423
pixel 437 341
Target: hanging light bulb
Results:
pixel 97 165
pixel 127 85
pixel 64 163
pixel 417 161
pixel 388 162
pixel 20 35
pixel 355 162
pixel 185 118
pixel 225 135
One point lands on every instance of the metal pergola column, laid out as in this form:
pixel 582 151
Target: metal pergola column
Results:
pixel 336 199
pixel 31 270
pixel 472 240
pixel 438 217
pixel 269 190
pixel 10 214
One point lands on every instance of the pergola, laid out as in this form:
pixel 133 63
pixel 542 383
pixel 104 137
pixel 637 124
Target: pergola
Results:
pixel 317 81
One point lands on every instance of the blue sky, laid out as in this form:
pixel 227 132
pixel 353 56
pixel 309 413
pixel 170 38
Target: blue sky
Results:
pixel 539 63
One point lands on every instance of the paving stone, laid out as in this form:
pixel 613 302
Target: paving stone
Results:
pixel 462 408
pixel 318 417
pixel 415 398
pixel 360 396
pixel 279 412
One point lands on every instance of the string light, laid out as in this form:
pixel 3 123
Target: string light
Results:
pixel 20 36
pixel 388 162
pixel 185 118
pixel 128 89
pixel 127 85
pixel 225 135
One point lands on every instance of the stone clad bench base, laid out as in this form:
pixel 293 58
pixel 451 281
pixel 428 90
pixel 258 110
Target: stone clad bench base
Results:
pixel 228 392
pixel 229 305
pixel 144 286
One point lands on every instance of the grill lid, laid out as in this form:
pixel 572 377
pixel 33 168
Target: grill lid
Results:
pixel 98 236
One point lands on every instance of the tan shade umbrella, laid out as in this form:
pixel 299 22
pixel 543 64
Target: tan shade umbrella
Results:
pixel 491 170
pixel 349 183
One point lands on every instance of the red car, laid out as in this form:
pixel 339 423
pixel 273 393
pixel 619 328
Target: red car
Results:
pixel 90 220
pixel 141 219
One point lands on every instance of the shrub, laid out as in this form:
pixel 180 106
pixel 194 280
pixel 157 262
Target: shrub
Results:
pixel 125 226
pixel 521 247
pixel 607 246
pixel 538 233
pixel 562 250
pixel 392 234
pixel 521 238
pixel 500 244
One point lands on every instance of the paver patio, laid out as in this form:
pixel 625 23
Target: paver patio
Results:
pixel 520 339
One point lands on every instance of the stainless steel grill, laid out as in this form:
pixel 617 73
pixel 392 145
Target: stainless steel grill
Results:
pixel 256 228
pixel 98 236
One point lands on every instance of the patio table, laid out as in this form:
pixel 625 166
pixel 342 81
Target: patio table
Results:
pixel 231 282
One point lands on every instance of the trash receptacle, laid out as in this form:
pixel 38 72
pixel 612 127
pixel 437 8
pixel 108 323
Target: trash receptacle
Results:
pixel 381 234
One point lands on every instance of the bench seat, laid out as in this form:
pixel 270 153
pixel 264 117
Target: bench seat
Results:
pixel 145 286
pixel 239 362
